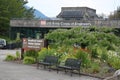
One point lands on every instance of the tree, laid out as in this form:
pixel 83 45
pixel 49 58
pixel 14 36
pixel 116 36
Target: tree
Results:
pixel 10 9
pixel 116 14
pixel 102 16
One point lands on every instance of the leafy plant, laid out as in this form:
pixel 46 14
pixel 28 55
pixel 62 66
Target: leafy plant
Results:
pixel 104 57
pixel 96 51
pixel 31 53
pixel 84 56
pixel 18 55
pixel 95 67
pixel 10 57
pixel 45 52
pixel 113 60
pixel 28 60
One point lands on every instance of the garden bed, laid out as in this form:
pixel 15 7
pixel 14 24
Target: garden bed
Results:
pixel 98 48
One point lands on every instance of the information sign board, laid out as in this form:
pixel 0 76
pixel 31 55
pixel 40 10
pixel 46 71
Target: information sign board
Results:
pixel 33 43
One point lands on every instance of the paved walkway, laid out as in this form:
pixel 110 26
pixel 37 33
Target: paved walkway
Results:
pixel 15 71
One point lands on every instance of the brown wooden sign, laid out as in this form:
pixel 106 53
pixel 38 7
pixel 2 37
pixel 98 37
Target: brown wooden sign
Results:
pixel 36 44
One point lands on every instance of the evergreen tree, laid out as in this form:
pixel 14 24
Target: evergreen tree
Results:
pixel 10 9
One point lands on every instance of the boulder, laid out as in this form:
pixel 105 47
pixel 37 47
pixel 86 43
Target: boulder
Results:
pixel 116 76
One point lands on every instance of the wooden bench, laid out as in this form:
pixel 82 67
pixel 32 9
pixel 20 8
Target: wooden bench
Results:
pixel 71 64
pixel 48 62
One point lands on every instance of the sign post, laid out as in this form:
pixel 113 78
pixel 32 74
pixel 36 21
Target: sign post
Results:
pixel 31 44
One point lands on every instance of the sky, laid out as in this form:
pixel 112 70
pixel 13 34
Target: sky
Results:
pixel 52 8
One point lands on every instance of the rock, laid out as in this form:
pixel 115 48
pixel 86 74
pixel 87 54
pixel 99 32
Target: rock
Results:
pixel 116 76
pixel 117 73
pixel 111 70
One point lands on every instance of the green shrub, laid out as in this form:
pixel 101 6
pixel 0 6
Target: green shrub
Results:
pixel 10 57
pixel 17 55
pixel 45 52
pixel 31 53
pixel 65 52
pixel 63 57
pixel 28 60
pixel 84 56
pixel 104 57
pixel 95 67
pixel 96 51
pixel 114 62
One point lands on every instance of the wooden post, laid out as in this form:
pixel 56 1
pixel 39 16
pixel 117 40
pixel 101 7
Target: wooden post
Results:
pixel 22 52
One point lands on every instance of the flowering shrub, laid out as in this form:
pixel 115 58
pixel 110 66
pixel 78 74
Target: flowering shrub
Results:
pixel 113 59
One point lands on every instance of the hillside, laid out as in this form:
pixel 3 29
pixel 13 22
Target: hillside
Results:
pixel 38 14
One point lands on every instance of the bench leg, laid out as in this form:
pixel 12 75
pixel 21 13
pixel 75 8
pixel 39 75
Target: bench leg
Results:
pixel 65 71
pixel 49 68
pixel 37 65
pixel 44 66
pixel 57 70
pixel 71 71
pixel 79 72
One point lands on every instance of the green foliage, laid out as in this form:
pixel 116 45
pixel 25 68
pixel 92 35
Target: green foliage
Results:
pixel 104 57
pixel 45 52
pixel 63 58
pixel 58 36
pixel 114 62
pixel 29 60
pixel 95 67
pixel 116 14
pixel 4 37
pixel 31 53
pixel 103 37
pixel 84 56
pixel 64 52
pixel 10 57
pixel 113 59
pixel 18 55
pixel 97 40
pixel 96 51
pixel 18 37
pixel 12 9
